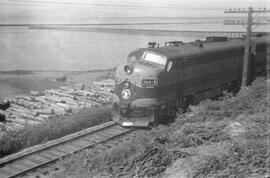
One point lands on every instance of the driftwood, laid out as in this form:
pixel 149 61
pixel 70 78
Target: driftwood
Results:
pixel 46 103
pixel 68 110
pixel 25 104
pixel 99 101
pixel 2 127
pixel 23 109
pixel 103 93
pixel 44 116
pixel 79 86
pixel 22 121
pixel 69 100
pixel 105 83
pixel 85 93
pixel 67 88
pixel 53 99
pixel 22 114
pixel 90 101
pixel 38 107
pixel 63 105
pixel 12 115
pixel 27 98
pixel 79 103
pixel 12 125
pixel 56 92
pixel 59 110
pixel 41 100
pixel 34 118
pixel 47 111
pixel 36 93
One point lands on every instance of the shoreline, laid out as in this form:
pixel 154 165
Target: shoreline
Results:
pixel 23 81
pixel 22 71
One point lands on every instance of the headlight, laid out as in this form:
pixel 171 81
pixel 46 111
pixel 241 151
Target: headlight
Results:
pixel 149 82
pixel 126 84
pixel 128 69
pixel 126 94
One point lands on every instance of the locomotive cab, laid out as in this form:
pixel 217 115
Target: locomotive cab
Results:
pixel 141 87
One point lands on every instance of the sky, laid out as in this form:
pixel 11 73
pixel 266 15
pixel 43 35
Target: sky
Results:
pixel 122 8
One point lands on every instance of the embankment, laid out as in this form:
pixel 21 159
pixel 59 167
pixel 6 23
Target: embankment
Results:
pixel 228 137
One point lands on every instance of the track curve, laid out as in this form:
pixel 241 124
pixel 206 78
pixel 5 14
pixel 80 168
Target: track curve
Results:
pixel 40 155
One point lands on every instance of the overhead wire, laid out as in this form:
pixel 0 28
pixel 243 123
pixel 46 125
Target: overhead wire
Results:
pixel 102 5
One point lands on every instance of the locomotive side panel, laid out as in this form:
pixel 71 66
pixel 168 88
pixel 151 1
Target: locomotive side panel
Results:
pixel 258 60
pixel 211 71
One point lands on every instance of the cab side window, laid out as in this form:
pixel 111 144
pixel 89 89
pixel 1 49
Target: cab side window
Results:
pixel 174 65
pixel 134 56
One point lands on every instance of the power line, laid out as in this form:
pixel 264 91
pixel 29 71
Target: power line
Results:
pixel 245 10
pixel 105 5
pixel 246 74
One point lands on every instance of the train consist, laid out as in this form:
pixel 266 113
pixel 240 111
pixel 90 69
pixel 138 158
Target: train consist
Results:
pixel 154 82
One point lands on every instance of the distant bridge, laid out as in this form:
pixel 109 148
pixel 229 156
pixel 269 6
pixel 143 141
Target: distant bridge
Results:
pixel 106 29
pixel 198 34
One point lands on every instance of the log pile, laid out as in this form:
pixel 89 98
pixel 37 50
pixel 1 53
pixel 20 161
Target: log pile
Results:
pixel 37 107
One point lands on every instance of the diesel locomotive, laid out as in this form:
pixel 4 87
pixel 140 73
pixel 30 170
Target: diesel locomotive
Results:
pixel 155 81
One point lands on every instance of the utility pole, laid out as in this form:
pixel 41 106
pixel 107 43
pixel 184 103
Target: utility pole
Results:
pixel 247 55
pixel 246 78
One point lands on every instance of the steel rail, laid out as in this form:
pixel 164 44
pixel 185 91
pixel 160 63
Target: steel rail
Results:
pixel 40 155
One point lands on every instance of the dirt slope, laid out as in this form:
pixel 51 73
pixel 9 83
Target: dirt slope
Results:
pixel 228 137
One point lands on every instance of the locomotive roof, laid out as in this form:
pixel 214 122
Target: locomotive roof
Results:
pixel 192 48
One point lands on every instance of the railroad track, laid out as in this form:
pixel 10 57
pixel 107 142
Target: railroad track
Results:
pixel 40 155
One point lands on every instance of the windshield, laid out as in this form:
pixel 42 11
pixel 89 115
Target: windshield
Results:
pixel 155 58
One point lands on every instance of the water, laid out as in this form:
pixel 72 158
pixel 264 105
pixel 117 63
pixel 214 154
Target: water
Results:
pixel 65 50
pixel 27 49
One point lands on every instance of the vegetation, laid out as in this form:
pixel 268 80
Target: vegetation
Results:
pixel 16 72
pixel 15 140
pixel 228 137
pixel 24 81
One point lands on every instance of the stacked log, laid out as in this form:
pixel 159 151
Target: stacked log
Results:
pixel 38 106
pixel 52 99
pixel 27 104
pixel 23 109
pixel 48 111
pixel 13 125
pixel 2 128
pixel 89 102
pixel 105 83
pixel 23 97
pixel 84 93
pixel 57 92
pixel 66 88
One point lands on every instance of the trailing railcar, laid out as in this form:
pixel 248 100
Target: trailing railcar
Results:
pixel 154 82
